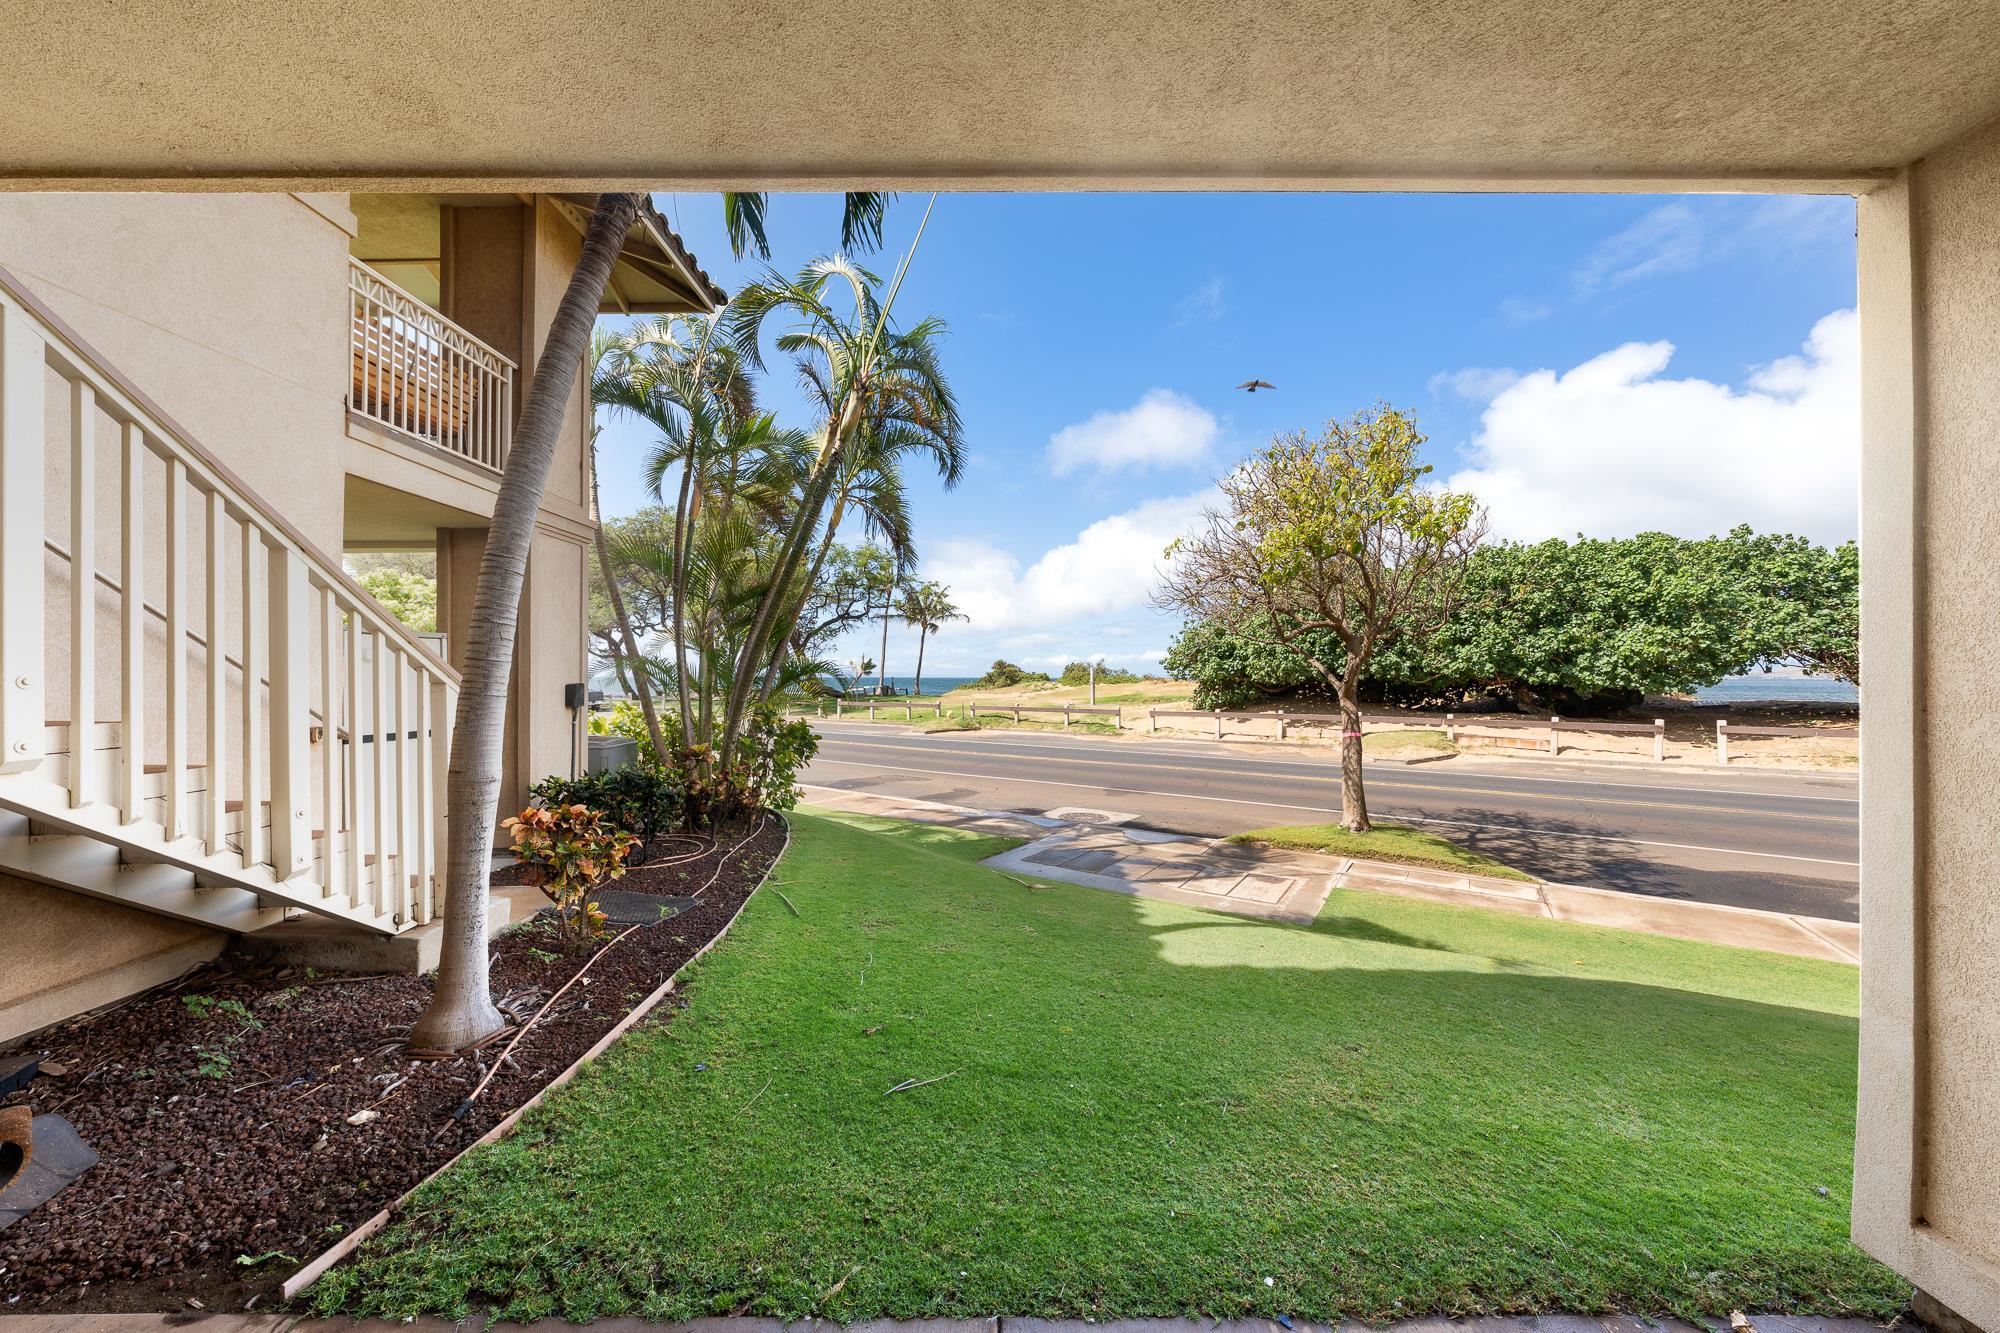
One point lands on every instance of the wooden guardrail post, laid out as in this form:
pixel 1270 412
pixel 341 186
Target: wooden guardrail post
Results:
pixel 1017 715
pixel 971 711
pixel 1065 717
pixel 1659 740
pixel 1152 723
pixel 1721 741
pixel 1555 727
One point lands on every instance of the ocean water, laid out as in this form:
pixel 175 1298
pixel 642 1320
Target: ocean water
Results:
pixel 932 684
pixel 1759 687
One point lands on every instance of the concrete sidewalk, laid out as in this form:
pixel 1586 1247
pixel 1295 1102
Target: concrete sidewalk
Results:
pixel 1093 848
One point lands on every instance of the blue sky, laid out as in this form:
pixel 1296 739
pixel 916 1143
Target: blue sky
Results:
pixel 1604 364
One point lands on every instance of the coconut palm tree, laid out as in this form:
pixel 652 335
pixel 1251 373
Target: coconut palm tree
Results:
pixel 870 372
pixel 861 217
pixel 928 607
pixel 461 1011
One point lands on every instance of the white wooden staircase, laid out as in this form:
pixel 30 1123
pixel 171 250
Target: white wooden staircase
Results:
pixel 276 742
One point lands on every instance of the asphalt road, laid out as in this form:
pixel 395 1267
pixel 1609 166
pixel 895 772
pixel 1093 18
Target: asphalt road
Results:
pixel 1781 841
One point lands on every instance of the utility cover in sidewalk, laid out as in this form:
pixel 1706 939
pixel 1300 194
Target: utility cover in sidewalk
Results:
pixel 1077 814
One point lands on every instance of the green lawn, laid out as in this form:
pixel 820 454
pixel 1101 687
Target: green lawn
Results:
pixel 1155 1110
pixel 1384 842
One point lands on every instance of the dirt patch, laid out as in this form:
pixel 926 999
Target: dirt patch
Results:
pixel 220 1104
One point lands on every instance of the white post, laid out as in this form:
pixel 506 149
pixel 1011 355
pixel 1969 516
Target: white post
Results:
pixel 1450 729
pixel 132 625
pixel 1066 708
pixel 1218 724
pixel 1659 740
pixel 1093 687
pixel 1152 723
pixel 1281 724
pixel 82 586
pixel 871 712
pixel 1721 742
pixel 1017 715
pixel 22 408
pixel 291 716
pixel 1555 744
pixel 175 818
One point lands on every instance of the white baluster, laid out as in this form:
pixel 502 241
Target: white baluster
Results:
pixel 132 625
pixel 291 716
pixel 400 668
pixel 253 676
pixel 329 743
pixel 444 706
pixel 379 697
pixel 354 771
pixel 217 669
pixel 176 819
pixel 82 588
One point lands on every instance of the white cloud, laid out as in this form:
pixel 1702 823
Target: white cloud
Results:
pixel 1110 568
pixel 1666 240
pixel 1613 447
pixel 1163 429
pixel 1199 306
pixel 1477 384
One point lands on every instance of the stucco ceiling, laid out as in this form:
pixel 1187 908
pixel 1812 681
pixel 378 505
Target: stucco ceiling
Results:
pixel 1027 92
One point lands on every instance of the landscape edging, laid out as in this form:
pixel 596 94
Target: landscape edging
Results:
pixel 346 1245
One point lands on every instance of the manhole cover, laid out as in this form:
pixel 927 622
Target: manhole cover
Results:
pixel 1076 814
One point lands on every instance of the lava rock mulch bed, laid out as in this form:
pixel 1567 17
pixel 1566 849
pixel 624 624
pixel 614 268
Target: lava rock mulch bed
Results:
pixel 221 1104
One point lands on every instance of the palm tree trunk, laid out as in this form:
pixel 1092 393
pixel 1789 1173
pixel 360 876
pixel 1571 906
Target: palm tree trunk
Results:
pixel 811 582
pixel 682 536
pixel 812 501
pixel 629 640
pixel 882 662
pixel 461 1010
pixel 917 683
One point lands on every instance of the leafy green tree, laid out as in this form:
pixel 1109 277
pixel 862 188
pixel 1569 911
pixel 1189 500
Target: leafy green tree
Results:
pixel 1590 625
pixel 1334 533
pixel 405 585
pixel 1809 602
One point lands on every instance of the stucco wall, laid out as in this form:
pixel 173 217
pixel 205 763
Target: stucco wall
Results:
pixel 1928 1153
pixel 48 977
pixel 1958 212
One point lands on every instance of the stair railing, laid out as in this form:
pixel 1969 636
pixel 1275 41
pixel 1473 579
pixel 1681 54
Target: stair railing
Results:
pixel 276 670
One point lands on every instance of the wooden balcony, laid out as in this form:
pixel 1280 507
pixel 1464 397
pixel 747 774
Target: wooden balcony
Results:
pixel 418 373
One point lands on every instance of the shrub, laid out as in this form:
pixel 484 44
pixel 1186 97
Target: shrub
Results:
pixel 1078 673
pixel 774 749
pixel 1004 673
pixel 639 799
pixel 576 850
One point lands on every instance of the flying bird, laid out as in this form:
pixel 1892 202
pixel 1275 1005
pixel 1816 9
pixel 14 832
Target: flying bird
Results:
pixel 1251 386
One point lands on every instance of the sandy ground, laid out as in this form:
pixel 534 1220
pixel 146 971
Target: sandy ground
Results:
pixel 1690 728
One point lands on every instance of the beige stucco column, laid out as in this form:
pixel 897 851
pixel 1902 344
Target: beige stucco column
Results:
pixel 1927 1155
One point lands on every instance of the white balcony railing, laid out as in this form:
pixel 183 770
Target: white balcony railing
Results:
pixel 418 373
